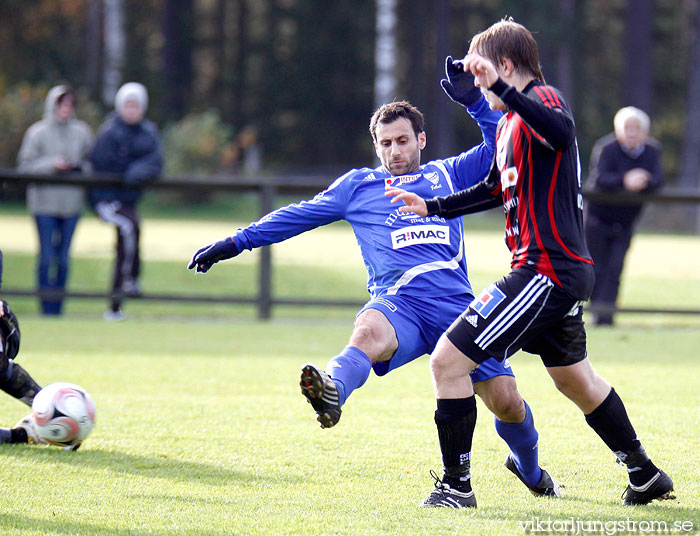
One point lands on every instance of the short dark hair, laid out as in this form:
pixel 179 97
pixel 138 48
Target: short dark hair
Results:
pixel 67 94
pixel 388 113
pixel 508 39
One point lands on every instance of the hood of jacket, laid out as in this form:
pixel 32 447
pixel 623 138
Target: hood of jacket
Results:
pixel 52 100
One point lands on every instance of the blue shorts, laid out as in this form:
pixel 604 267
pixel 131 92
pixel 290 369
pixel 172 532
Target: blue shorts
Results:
pixel 419 323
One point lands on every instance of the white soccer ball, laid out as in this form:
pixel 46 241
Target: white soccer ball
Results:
pixel 64 414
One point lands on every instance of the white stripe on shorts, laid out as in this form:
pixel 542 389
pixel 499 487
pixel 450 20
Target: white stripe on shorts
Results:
pixel 514 311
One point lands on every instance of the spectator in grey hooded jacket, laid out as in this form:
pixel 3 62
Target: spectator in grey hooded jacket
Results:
pixel 58 144
pixel 128 145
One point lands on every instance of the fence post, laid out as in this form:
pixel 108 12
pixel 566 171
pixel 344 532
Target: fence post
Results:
pixel 268 193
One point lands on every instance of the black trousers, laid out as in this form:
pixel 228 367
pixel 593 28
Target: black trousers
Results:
pixel 127 266
pixel 608 244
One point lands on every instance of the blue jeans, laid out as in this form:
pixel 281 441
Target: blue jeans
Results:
pixel 55 235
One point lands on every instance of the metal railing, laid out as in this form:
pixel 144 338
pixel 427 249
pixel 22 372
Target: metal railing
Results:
pixel 267 189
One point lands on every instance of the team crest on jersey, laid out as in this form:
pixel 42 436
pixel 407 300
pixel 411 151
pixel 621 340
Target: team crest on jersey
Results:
pixel 420 234
pixel 487 301
pixel 434 179
pixel 509 177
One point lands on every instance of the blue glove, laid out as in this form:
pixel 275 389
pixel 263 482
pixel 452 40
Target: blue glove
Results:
pixel 213 253
pixel 459 85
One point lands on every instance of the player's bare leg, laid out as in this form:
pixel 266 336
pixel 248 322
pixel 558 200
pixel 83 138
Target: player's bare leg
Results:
pixel 373 339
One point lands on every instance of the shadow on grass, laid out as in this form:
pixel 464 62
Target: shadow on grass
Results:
pixel 665 516
pixel 163 467
pixel 23 524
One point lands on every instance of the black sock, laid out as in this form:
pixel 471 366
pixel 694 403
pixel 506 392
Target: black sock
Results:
pixel 611 423
pixel 18 435
pixel 455 420
pixel 17 382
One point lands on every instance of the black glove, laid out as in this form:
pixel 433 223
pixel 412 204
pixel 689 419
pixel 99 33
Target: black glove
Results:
pixel 459 85
pixel 213 253
pixel 10 335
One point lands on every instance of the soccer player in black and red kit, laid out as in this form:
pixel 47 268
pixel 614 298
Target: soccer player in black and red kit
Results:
pixel 537 307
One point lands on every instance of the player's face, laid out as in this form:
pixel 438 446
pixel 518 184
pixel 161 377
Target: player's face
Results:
pixel 398 147
pixel 495 102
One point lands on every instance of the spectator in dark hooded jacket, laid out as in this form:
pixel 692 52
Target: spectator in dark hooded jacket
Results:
pixel 129 146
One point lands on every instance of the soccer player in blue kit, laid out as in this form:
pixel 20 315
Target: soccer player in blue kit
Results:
pixel 417 273
pixel 537 307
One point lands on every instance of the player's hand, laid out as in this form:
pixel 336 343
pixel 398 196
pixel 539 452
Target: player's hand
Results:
pixel 459 84
pixel 414 203
pixel 483 69
pixel 207 256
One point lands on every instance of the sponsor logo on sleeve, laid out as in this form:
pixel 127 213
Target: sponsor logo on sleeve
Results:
pixel 420 234
pixel 487 301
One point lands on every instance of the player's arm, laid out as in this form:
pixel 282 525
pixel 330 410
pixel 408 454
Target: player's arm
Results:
pixel 482 196
pixel 544 114
pixel 286 222
pixel 472 165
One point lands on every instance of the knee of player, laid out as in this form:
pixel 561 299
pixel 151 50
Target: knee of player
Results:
pixel 373 340
pixel 441 367
pixel 508 406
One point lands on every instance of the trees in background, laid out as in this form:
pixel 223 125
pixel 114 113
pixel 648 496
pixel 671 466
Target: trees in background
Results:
pixel 302 73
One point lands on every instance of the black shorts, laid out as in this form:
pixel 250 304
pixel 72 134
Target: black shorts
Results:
pixel 524 310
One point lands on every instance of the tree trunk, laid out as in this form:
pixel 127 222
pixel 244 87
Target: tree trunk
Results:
pixel 93 40
pixel 564 55
pixel 690 157
pixel 442 130
pixel 637 77
pixel 239 66
pixel 385 52
pixel 178 28
pixel 114 49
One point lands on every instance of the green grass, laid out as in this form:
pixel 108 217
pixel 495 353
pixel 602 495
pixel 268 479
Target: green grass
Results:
pixel 202 430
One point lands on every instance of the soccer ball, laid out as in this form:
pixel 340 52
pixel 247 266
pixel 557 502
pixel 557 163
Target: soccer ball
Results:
pixel 64 414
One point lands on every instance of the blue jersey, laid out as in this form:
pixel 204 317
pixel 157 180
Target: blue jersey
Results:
pixel 403 253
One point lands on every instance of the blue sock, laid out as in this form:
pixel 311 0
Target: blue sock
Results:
pixel 349 370
pixel 522 440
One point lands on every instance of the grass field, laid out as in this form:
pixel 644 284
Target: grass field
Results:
pixel 202 429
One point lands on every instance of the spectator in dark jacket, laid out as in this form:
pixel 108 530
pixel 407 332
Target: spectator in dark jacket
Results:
pixel 129 146
pixel 626 160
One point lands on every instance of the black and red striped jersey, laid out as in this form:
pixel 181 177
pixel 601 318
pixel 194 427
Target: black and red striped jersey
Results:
pixel 538 165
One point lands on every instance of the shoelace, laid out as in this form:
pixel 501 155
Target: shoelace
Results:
pixel 438 482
